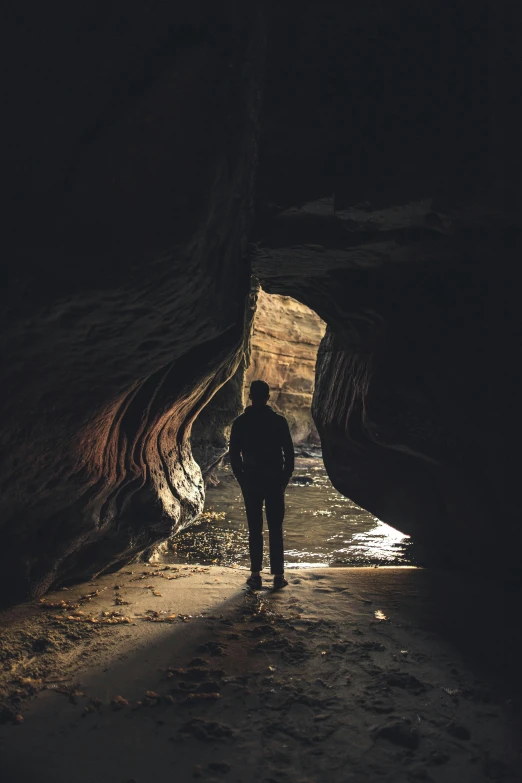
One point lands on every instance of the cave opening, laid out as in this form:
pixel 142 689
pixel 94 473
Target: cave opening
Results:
pixel 322 526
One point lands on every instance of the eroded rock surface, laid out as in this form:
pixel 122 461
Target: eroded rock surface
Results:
pixel 420 336
pixel 124 302
pixel 390 206
pixel 284 343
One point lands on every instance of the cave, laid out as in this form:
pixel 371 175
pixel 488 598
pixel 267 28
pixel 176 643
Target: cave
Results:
pixel 160 165
pixel 321 526
pixel 383 203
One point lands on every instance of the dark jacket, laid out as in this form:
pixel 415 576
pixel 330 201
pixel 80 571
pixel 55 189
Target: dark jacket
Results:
pixel 261 444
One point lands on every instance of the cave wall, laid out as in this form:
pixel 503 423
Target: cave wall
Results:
pixel 409 412
pixel 124 297
pixel 285 338
pixel 211 430
pixel 388 201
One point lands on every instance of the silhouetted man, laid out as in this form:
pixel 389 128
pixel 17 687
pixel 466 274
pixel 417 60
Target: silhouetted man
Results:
pixel 262 459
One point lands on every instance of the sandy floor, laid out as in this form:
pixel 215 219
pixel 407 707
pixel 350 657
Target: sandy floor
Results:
pixel 346 675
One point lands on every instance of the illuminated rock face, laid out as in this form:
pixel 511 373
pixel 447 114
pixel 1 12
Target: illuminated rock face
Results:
pixel 124 302
pixel 284 343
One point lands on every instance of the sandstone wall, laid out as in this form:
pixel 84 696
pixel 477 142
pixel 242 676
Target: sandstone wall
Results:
pixel 284 345
pixel 128 208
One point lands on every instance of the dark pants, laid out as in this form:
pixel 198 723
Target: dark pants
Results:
pixel 256 491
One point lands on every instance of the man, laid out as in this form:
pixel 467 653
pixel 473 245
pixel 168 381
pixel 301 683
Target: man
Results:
pixel 262 460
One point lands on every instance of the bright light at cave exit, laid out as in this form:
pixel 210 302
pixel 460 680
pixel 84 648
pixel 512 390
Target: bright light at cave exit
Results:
pixel 380 542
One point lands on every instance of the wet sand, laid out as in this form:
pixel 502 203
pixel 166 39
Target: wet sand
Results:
pixel 365 674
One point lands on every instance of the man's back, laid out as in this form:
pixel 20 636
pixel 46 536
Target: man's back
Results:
pixel 260 442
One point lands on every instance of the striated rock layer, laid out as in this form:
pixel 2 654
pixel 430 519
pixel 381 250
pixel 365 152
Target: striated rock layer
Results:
pixel 124 304
pixel 284 343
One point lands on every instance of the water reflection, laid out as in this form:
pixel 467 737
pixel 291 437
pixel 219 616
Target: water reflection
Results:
pixel 321 526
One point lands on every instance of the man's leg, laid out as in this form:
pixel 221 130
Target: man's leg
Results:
pixel 275 513
pixel 253 495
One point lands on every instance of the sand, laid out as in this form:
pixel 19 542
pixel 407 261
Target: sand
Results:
pixel 363 674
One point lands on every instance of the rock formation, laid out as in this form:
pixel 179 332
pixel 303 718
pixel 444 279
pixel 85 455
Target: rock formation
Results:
pixel 389 206
pixel 124 299
pixel 211 430
pixel 284 343
pixel 386 200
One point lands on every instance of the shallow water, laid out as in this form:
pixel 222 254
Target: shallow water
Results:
pixel 322 527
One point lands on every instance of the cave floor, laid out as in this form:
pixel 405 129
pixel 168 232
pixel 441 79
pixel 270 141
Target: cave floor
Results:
pixel 164 673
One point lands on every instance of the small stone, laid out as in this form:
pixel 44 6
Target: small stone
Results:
pixel 208 687
pixel 196 663
pixel 119 702
pixel 212 647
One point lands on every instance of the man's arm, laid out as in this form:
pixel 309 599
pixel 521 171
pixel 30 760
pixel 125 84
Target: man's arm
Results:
pixel 288 451
pixel 234 450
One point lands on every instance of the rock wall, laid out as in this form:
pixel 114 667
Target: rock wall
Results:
pixel 284 343
pixel 123 303
pixel 211 431
pixel 387 200
pixel 390 205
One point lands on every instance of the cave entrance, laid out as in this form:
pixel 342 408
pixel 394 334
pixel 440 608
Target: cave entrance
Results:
pixel 322 527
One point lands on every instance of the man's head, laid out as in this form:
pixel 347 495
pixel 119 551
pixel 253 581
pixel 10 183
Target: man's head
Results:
pixel 259 392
